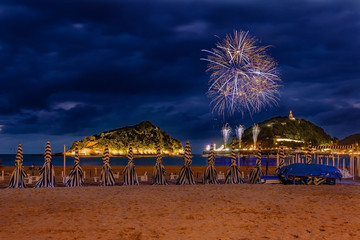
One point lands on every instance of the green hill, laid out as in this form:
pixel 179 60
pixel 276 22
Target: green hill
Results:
pixel 352 139
pixel 143 137
pixel 292 133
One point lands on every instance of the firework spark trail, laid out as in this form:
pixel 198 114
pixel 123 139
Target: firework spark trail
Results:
pixel 226 131
pixel 239 132
pixel 256 131
pixel 243 77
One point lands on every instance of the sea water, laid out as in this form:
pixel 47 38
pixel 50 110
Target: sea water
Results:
pixel 197 160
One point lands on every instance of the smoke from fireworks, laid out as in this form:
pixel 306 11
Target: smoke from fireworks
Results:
pixel 243 77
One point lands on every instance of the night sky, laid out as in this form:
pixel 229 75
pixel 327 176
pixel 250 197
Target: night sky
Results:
pixel 69 69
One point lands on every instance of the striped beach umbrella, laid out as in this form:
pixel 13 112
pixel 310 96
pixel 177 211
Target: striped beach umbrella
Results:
pixel 308 155
pixel 130 176
pixel 210 175
pixel 47 172
pixel 107 176
pixel 186 175
pixel 312 180
pixel 76 176
pixel 256 172
pixel 158 174
pixel 281 158
pixel 317 180
pixel 233 175
pixel 18 175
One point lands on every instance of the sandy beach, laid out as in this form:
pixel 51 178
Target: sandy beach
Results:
pixel 182 212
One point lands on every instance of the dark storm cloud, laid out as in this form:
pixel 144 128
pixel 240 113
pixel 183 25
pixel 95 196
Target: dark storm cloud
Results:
pixel 81 67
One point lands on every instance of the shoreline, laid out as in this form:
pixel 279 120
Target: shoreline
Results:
pixel 92 172
pixel 100 155
pixel 124 156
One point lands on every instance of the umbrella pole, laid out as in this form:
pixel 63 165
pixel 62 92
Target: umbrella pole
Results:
pixel 64 177
pixel 357 162
pixel 239 158
pixel 352 162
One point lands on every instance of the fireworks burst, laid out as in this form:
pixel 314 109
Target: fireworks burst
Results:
pixel 243 77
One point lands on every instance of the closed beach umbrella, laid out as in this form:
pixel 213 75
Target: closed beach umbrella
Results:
pixel 18 175
pixel 281 158
pixel 158 174
pixel 186 175
pixel 47 172
pixel 311 180
pixel 76 176
pixel 308 155
pixel 210 175
pixel 107 176
pixel 233 175
pixel 130 176
pixel 256 172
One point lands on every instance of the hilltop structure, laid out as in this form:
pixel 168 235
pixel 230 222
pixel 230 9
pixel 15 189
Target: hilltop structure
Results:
pixel 291 117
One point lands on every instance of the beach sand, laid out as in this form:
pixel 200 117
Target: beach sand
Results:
pixel 182 212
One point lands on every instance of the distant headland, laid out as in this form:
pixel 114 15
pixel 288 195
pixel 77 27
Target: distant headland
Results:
pixel 143 137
